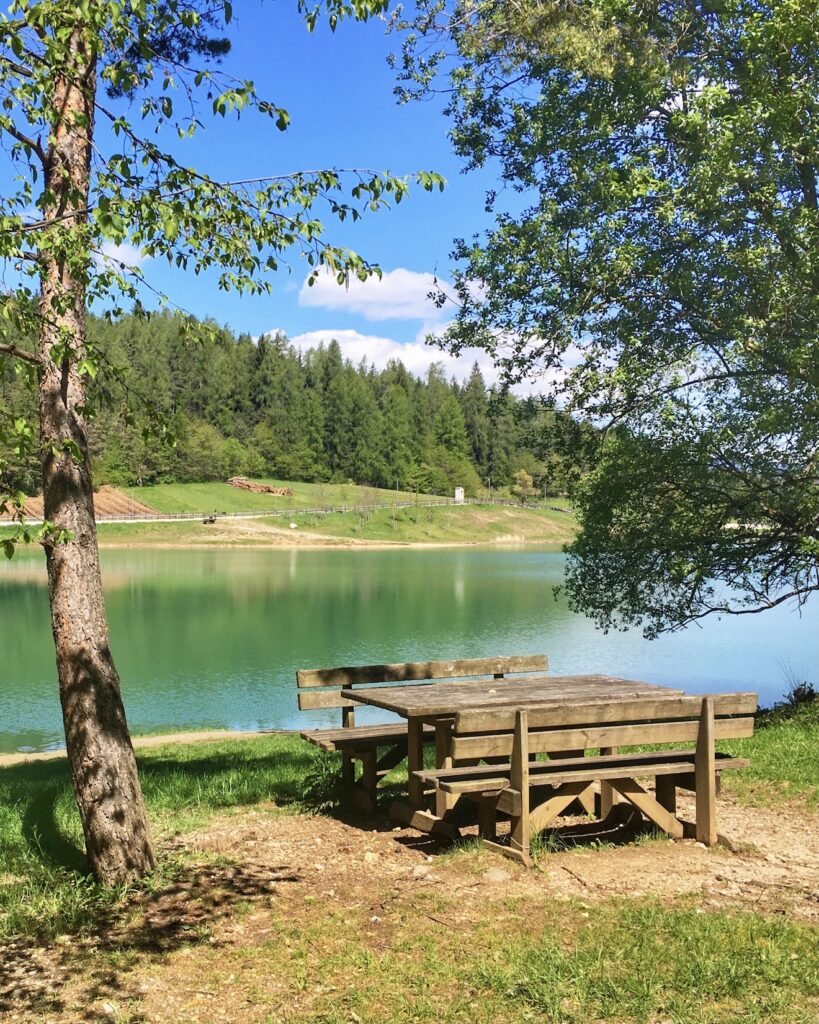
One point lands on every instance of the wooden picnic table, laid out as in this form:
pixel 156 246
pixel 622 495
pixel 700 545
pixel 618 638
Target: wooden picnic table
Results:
pixel 438 703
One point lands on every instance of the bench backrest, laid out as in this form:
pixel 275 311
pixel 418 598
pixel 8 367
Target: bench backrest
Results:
pixel 321 687
pixel 611 723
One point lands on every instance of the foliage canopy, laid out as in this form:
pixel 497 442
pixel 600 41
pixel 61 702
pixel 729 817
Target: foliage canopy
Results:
pixel 657 256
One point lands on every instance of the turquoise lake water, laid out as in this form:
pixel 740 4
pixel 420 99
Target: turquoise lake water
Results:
pixel 211 639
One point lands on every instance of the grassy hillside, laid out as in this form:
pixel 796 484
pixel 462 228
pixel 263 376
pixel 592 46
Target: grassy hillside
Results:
pixel 221 497
pixel 477 523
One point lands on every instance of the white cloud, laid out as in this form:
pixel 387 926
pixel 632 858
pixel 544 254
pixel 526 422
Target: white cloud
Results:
pixel 398 294
pixel 123 254
pixel 415 355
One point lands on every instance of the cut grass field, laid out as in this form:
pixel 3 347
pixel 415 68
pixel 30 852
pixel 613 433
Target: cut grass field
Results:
pixel 221 497
pixel 467 524
pixel 263 911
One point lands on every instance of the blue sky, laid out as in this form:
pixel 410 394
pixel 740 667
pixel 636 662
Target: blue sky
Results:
pixel 338 90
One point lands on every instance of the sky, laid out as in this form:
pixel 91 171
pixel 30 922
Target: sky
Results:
pixel 338 90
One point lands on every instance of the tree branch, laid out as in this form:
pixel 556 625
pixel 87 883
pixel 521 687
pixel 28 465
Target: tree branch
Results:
pixel 25 140
pixel 19 353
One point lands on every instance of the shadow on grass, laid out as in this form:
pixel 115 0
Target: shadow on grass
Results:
pixel 186 911
pixel 46 891
pixel 35 793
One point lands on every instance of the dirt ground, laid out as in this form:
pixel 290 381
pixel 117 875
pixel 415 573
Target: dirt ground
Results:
pixel 108 501
pixel 204 948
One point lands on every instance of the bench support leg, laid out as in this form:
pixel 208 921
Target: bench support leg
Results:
pixel 542 816
pixel 415 761
pixel 520 838
pixel 608 795
pixel 665 790
pixel 635 794
pixel 585 799
pixel 705 774
pixel 487 819
pixel 443 759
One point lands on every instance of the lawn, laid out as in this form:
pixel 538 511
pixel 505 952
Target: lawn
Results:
pixel 471 523
pixel 221 497
pixel 350 942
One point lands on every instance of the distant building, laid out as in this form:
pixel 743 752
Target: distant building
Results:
pixel 459 495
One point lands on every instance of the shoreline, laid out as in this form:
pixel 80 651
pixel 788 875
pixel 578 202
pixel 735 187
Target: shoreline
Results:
pixel 152 740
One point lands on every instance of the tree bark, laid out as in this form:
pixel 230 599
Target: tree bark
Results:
pixel 100 754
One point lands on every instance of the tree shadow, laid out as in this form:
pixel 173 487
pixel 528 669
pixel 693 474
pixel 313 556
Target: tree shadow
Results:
pixel 186 911
pixel 36 788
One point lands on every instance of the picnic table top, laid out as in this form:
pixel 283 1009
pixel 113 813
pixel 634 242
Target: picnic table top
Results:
pixel 430 700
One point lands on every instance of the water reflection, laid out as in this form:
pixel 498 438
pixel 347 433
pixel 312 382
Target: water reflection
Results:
pixel 212 638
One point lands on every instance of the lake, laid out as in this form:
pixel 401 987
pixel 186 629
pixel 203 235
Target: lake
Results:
pixel 211 639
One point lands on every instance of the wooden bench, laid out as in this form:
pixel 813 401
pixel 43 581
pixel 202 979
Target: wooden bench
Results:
pixel 320 688
pixel 533 793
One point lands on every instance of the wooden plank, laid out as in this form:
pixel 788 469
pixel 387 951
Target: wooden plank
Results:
pixel 547 741
pixel 312 700
pixel 348 717
pixel 543 772
pixel 705 775
pixel 543 815
pixel 618 707
pixel 519 838
pixel 635 794
pixel 357 675
pixel 479 785
pixel 434 699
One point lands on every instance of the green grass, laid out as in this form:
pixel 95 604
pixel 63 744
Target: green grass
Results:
pixel 529 961
pixel 479 523
pixel 43 885
pixel 784 755
pixel 221 497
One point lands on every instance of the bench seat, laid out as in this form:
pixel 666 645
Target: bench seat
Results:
pixel 361 737
pixel 484 778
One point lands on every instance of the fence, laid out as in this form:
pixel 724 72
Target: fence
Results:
pixel 290 513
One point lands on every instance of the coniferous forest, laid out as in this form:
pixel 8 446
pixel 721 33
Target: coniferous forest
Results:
pixel 170 409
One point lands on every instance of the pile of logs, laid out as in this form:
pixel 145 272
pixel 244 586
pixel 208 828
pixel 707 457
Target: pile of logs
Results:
pixel 244 484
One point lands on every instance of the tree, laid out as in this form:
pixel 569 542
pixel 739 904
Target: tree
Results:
pixel 524 486
pixel 64 67
pixel 663 271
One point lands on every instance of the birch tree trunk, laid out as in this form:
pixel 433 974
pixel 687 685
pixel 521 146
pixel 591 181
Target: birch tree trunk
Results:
pixel 99 747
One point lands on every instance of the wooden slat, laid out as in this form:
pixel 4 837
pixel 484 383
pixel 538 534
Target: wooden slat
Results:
pixel 405 672
pixel 447 698
pixel 615 708
pixel 659 770
pixel 362 735
pixel 598 736
pixel 311 700
pixel 541 772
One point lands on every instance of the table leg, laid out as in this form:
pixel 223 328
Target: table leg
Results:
pixel 443 759
pixel 415 761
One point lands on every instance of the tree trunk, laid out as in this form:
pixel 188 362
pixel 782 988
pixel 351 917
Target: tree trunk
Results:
pixel 99 748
